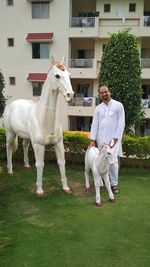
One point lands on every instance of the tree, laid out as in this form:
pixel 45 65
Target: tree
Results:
pixel 2 98
pixel 120 70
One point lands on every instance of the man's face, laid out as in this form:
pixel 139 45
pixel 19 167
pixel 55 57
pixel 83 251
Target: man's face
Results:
pixel 104 93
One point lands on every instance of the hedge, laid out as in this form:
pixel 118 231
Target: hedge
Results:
pixel 136 146
pixel 77 142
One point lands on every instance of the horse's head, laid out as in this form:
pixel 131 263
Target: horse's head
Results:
pixel 109 154
pixel 105 159
pixel 61 79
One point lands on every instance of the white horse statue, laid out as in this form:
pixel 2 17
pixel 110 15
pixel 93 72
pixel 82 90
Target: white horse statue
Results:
pixel 99 163
pixel 38 123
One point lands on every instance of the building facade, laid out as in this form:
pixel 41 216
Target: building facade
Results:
pixel 79 30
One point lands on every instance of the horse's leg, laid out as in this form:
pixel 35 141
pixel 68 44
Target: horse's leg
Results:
pixel 39 163
pixel 97 184
pixel 59 150
pixel 26 143
pixel 10 143
pixel 87 178
pixel 108 187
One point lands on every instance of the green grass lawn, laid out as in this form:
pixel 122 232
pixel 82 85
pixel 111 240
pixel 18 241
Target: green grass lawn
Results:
pixel 61 230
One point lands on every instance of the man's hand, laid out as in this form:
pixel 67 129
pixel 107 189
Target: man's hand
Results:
pixel 113 142
pixel 92 143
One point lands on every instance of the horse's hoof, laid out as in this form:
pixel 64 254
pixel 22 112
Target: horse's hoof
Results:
pixel 112 200
pixel 87 190
pixel 68 191
pixel 40 194
pixel 98 205
pixel 10 173
pixel 27 167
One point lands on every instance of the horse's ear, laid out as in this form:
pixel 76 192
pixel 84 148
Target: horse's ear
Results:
pixel 52 60
pixel 63 60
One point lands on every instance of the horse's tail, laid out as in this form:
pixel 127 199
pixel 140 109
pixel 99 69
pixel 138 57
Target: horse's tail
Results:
pixel 14 144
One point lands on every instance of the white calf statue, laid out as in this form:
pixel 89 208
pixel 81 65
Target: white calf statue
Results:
pixel 39 123
pixel 99 163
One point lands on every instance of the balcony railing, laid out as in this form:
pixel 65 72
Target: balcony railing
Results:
pixel 80 63
pixel 82 22
pixel 145 103
pixel 145 63
pixel 83 101
pixel 147 21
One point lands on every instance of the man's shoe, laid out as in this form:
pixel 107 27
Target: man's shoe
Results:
pixel 115 189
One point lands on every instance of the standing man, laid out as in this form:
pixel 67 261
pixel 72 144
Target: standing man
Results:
pixel 107 128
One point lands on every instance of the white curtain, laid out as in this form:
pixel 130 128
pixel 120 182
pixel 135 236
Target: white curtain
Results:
pixel 44 50
pixel 40 10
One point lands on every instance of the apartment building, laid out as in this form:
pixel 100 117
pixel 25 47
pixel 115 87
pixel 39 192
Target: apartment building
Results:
pixel 79 29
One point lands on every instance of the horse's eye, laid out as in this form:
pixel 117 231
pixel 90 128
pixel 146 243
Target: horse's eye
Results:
pixel 57 76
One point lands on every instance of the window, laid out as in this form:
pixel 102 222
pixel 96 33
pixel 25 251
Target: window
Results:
pixel 10 41
pixel 103 48
pixel 145 53
pixel 10 2
pixel 132 7
pixel 40 10
pixel 80 123
pixel 106 7
pixel 85 53
pixel 40 50
pixel 82 89
pixel 146 91
pixel 37 88
pixel 12 80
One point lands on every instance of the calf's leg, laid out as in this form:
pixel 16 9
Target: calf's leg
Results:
pixel 97 184
pixel 108 187
pixel 87 178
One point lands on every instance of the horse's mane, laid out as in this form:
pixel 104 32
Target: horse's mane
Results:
pixel 58 65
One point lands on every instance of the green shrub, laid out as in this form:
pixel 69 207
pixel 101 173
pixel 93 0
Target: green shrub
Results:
pixel 2 144
pixel 134 146
pixel 76 142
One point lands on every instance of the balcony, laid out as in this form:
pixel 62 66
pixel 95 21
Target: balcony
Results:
pixel 82 22
pixel 145 65
pixel 82 106
pixel 100 27
pixel 83 68
pixel 144 27
pixel 83 27
pixel 80 63
pixel 145 103
pixel 82 101
pixel 146 106
pixel 146 21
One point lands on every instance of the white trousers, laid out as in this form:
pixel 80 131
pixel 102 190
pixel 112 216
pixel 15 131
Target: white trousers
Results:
pixel 114 169
pixel 113 172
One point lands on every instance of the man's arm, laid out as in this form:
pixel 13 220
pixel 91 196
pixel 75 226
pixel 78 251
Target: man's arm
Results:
pixel 120 126
pixel 120 122
pixel 94 128
pixel 92 143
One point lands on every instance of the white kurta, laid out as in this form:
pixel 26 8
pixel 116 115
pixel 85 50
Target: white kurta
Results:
pixel 108 122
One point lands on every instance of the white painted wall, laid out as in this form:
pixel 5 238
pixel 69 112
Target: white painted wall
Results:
pixel 16 22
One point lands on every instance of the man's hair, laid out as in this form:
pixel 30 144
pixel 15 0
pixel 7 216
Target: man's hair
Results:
pixel 105 86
